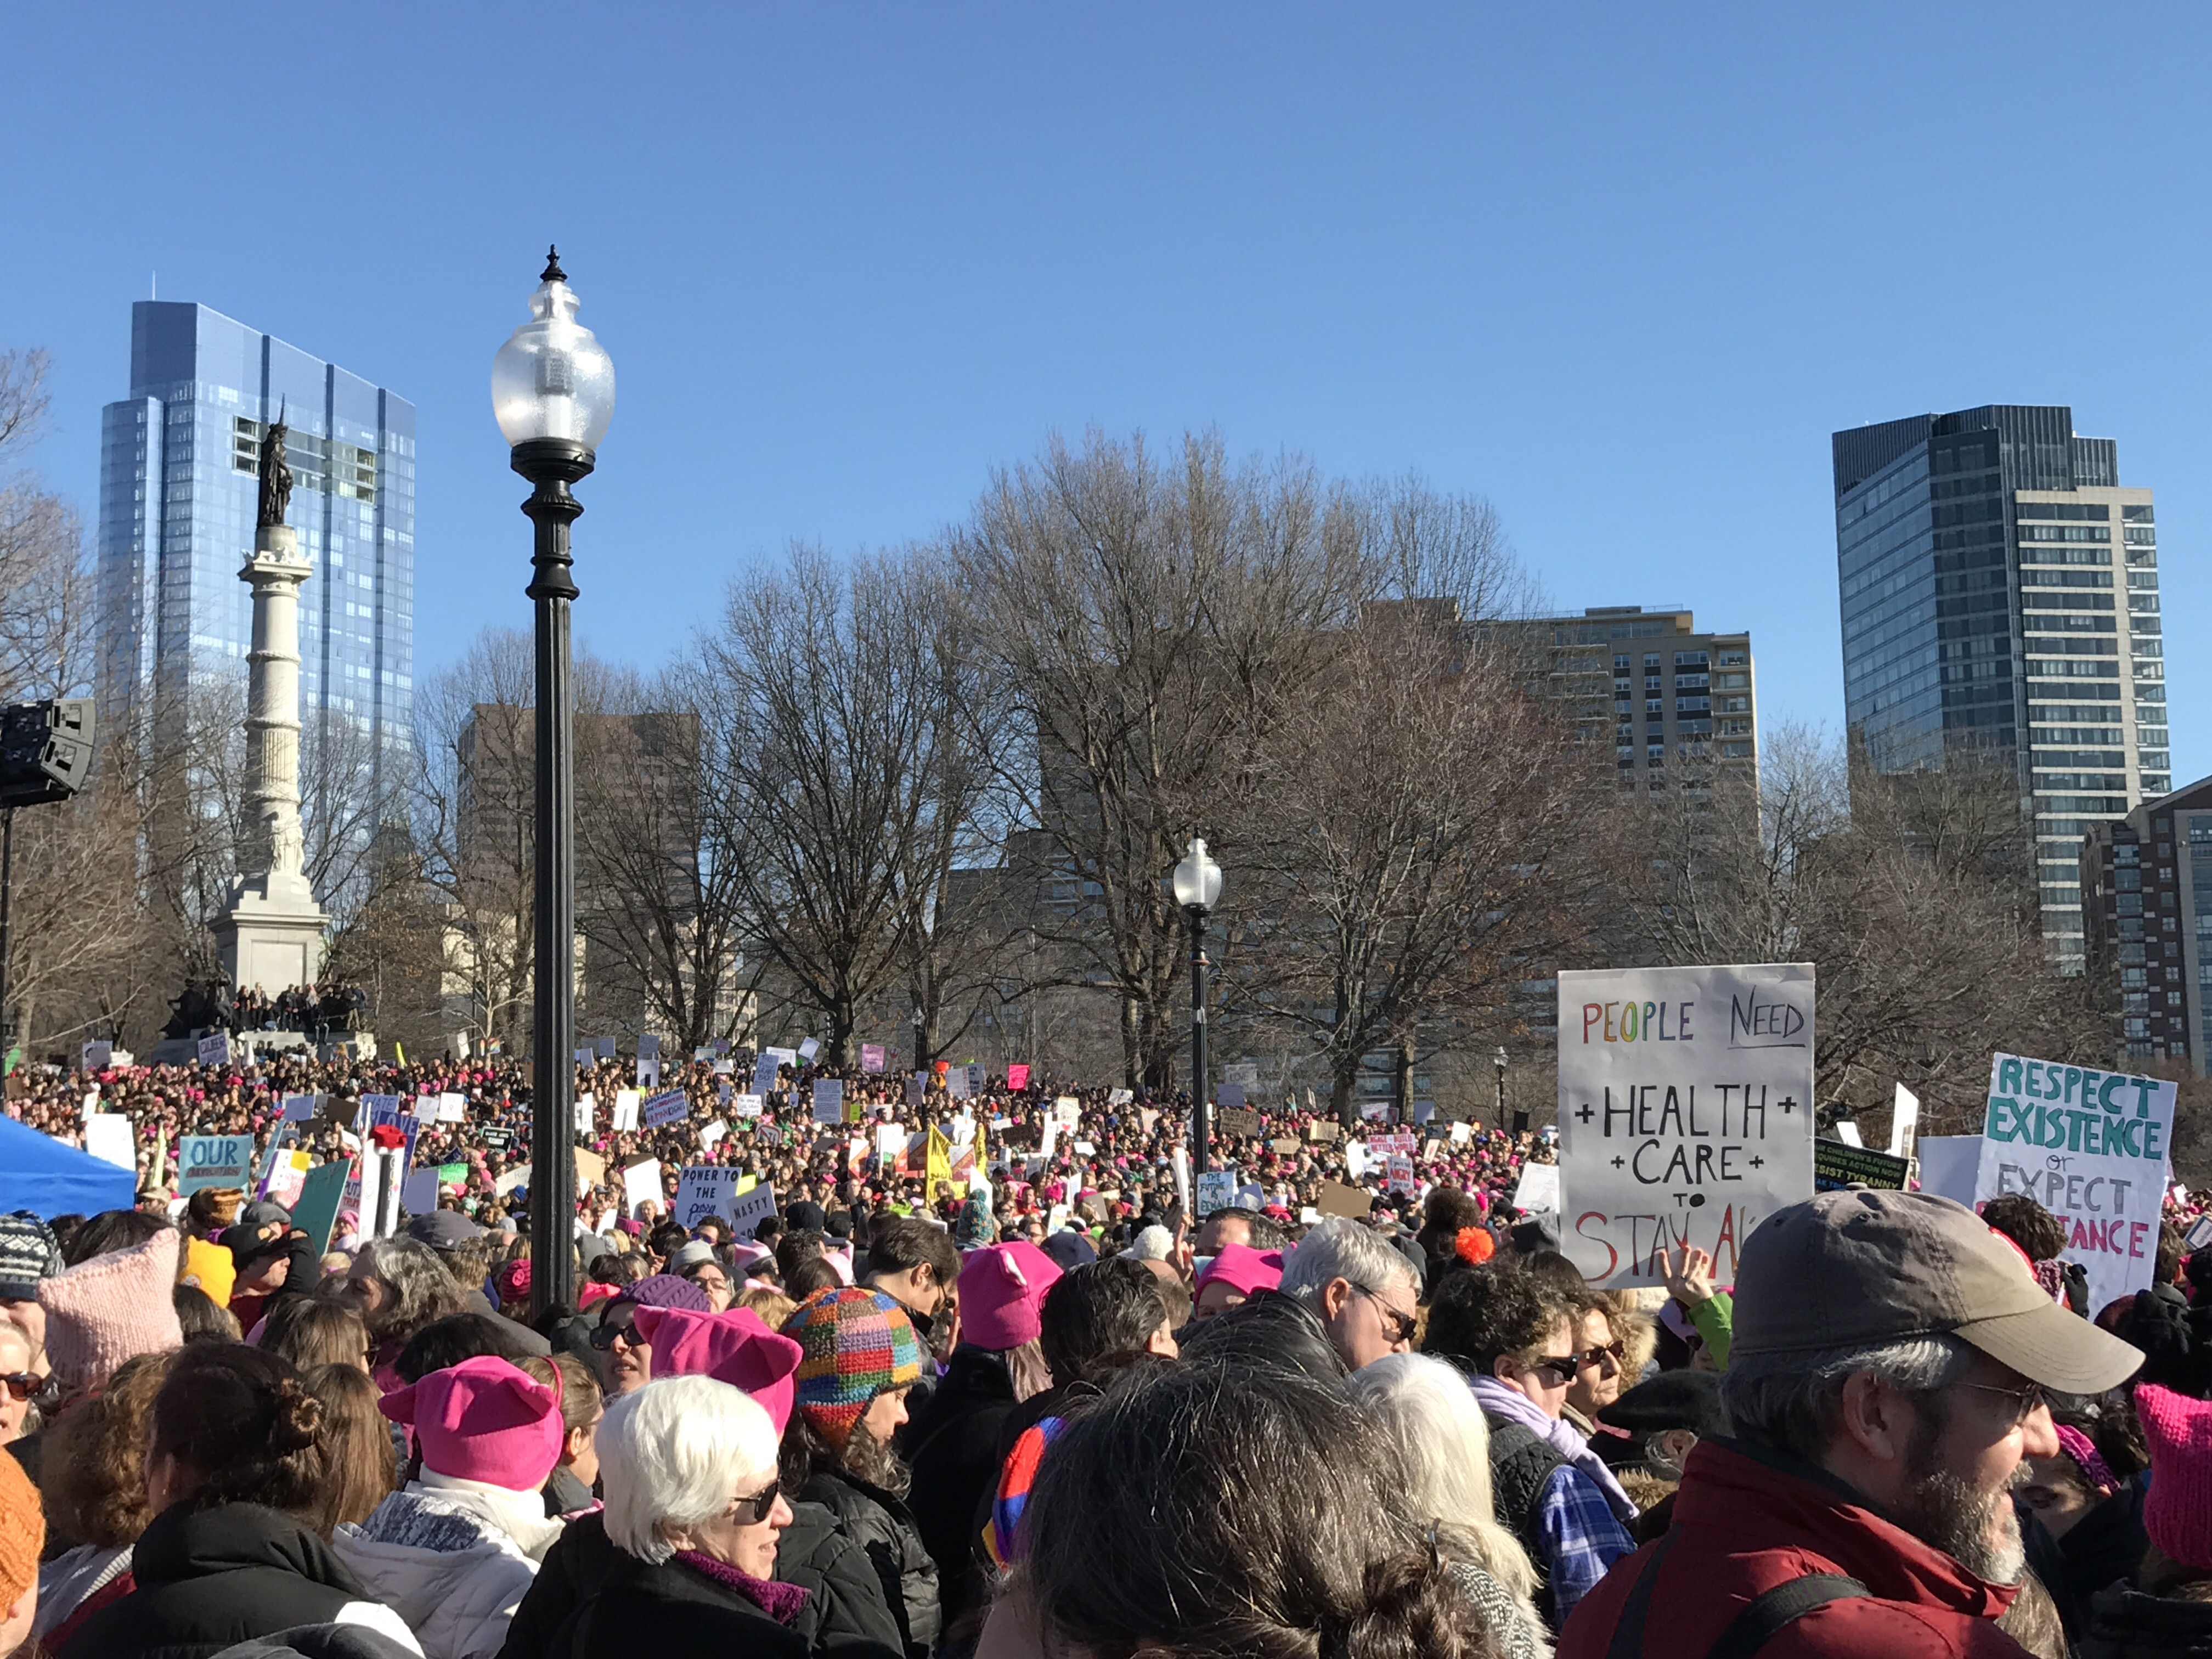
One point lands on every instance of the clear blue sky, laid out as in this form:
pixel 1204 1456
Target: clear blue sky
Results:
pixel 1620 269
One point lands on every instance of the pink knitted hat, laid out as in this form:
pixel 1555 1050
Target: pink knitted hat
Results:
pixel 483 1419
pixel 1002 1290
pixel 2177 1510
pixel 1243 1269
pixel 113 1308
pixel 734 1346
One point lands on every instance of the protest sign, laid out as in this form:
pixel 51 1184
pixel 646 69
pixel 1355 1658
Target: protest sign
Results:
pixel 590 1170
pixel 828 1100
pixel 1337 1199
pixel 1216 1190
pixel 213 1161
pixel 1398 1174
pixel 1286 1146
pixel 672 1107
pixel 810 1048
pixel 96 1054
pixel 955 1084
pixel 872 1058
pixel 316 1209
pixel 1120 1097
pixel 301 1108
pixel 1229 1096
pixel 752 1205
pixel 2091 1147
pixel 1391 1143
pixel 1244 1074
pixel 512 1180
pixel 2199 1234
pixel 649 1061
pixel 1017 1076
pixel 452 1108
pixel 703 1190
pixel 1903 1123
pixel 419 1192
pixel 1068 1111
pixel 1234 1121
pixel 586 1107
pixel 1949 1164
pixel 747 1105
pixel 1838 1164
pixel 286 1176
pixel 604 1047
pixel 452 1175
pixel 642 1184
pixel 1847 1131
pixel 1376 1110
pixel 1686 1108
pixel 626 1111
pixel 214 1048
pixel 1321 1134
pixel 107 1137
pixel 765 1074
pixel 711 1133
pixel 1539 1190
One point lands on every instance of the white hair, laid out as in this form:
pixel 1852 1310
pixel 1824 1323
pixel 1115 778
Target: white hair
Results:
pixel 1444 1461
pixel 670 1455
pixel 1342 1248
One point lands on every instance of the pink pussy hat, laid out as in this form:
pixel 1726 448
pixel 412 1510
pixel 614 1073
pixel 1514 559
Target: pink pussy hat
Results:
pixel 483 1419
pixel 1002 1290
pixel 2178 1508
pixel 734 1346
pixel 1243 1269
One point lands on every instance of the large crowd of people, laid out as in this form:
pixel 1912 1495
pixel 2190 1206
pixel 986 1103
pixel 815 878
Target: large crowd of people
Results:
pixel 1009 1379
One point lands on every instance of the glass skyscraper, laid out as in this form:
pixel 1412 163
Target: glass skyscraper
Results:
pixel 179 459
pixel 2000 596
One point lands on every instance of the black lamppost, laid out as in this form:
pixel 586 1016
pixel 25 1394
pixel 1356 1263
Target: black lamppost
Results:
pixel 553 394
pixel 1498 1060
pixel 1197 889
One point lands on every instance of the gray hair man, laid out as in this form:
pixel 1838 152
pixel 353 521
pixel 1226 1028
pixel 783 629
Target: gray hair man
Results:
pixel 1888 1380
pixel 1359 1285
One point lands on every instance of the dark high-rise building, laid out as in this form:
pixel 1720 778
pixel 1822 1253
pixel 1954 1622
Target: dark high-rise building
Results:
pixel 2147 892
pixel 2000 601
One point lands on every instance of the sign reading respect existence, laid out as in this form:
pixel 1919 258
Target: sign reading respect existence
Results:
pixel 1686 1112
pixel 2092 1148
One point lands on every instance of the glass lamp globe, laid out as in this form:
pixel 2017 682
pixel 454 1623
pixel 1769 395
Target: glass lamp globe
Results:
pixel 552 379
pixel 1197 878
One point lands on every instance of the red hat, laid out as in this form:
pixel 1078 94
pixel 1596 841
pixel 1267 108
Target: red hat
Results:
pixel 1002 1290
pixel 483 1419
pixel 734 1346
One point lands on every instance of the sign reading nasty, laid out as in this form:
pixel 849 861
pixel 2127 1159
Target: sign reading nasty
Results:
pixel 1686 1112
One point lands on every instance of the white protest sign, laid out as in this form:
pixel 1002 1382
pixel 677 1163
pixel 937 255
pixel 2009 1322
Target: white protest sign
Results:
pixel 511 1180
pixel 1230 1096
pixel 107 1137
pixel 604 1047
pixel 96 1056
pixel 702 1190
pixel 765 1074
pixel 662 1110
pixel 828 1100
pixel 956 1083
pixel 642 1184
pixel 452 1108
pixel 213 1161
pixel 214 1048
pixel 1686 1112
pixel 752 1207
pixel 1243 1073
pixel 1539 1190
pixel 1069 1110
pixel 810 1048
pixel 1398 1174
pixel 423 1108
pixel 1903 1123
pixel 2091 1147
pixel 1216 1190
pixel 711 1133
pixel 1949 1165
pixel 586 1106
pixel 748 1105
pixel 1848 1131
pixel 419 1191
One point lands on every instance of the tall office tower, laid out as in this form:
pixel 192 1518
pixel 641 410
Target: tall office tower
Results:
pixel 1663 690
pixel 2000 599
pixel 178 498
pixel 2147 893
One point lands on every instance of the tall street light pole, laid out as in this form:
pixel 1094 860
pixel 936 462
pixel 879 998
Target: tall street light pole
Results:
pixel 553 394
pixel 1197 890
pixel 1498 1060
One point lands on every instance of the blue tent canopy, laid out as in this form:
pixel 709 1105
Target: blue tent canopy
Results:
pixel 49 1178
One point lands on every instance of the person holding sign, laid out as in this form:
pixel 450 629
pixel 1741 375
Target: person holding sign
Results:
pixel 1889 1374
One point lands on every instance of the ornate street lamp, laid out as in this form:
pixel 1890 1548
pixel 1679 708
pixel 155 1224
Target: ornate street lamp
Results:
pixel 1197 889
pixel 1498 1060
pixel 553 394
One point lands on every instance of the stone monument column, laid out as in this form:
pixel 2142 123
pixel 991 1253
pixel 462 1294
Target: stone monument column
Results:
pixel 272 933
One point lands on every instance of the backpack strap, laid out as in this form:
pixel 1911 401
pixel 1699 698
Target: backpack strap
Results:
pixel 1780 1607
pixel 1628 1629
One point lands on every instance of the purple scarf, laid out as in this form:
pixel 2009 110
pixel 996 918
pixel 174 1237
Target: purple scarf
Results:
pixel 781 1602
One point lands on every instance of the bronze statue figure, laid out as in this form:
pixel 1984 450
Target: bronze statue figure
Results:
pixel 275 477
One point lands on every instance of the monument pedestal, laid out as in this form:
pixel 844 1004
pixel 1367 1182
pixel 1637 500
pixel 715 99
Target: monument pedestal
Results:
pixel 272 934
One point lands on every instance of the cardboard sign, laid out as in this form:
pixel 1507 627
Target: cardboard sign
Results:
pixel 872 1058
pixel 663 1109
pixel 205 1161
pixel 1285 1148
pixel 1337 1199
pixel 1686 1112
pixel 1235 1122
pixel 1018 1076
pixel 1321 1133
pixel 1539 1190
pixel 214 1048
pixel 1838 1164
pixel 590 1170
pixel 828 1100
pixel 2092 1148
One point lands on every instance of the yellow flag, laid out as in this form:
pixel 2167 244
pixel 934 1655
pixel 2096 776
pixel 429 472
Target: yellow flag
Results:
pixel 746 1184
pixel 939 1164
pixel 399 1050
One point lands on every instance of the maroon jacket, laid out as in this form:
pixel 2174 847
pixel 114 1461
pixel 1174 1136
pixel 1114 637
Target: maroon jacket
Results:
pixel 1748 1520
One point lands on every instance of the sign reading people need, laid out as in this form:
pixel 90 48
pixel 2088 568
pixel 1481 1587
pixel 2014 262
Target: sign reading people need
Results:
pixel 2092 1148
pixel 1685 1111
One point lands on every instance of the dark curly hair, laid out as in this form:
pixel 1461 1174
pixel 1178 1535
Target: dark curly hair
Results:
pixel 2028 1223
pixel 1477 1316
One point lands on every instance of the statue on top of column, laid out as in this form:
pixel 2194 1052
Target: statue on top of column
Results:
pixel 276 475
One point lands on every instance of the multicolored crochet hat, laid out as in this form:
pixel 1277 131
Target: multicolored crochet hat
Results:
pixel 855 1344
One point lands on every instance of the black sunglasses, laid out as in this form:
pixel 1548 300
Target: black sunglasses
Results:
pixel 1561 1365
pixel 754 1508
pixel 1397 1326
pixel 604 1333
pixel 22 1385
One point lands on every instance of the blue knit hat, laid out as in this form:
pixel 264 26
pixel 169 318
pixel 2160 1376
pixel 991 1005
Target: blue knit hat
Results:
pixel 28 1255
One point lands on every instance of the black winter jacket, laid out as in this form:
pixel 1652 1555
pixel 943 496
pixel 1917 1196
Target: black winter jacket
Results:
pixel 2126 1624
pixel 883 1526
pixel 845 1616
pixel 952 1447
pixel 672 1609
pixel 209 1578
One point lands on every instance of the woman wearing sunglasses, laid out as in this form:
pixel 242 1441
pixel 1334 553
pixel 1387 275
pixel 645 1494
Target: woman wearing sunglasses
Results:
pixel 694 1504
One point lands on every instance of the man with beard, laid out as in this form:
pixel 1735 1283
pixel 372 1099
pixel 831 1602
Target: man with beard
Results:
pixel 1886 1387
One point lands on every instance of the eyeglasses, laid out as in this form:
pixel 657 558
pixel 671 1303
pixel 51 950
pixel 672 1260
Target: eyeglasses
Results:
pixel 756 1507
pixel 604 1336
pixel 2025 1401
pixel 22 1385
pixel 1398 1327
pixel 1561 1365
pixel 1591 1358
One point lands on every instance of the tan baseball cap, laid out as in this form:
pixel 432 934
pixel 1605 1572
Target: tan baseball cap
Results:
pixel 1851 1267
